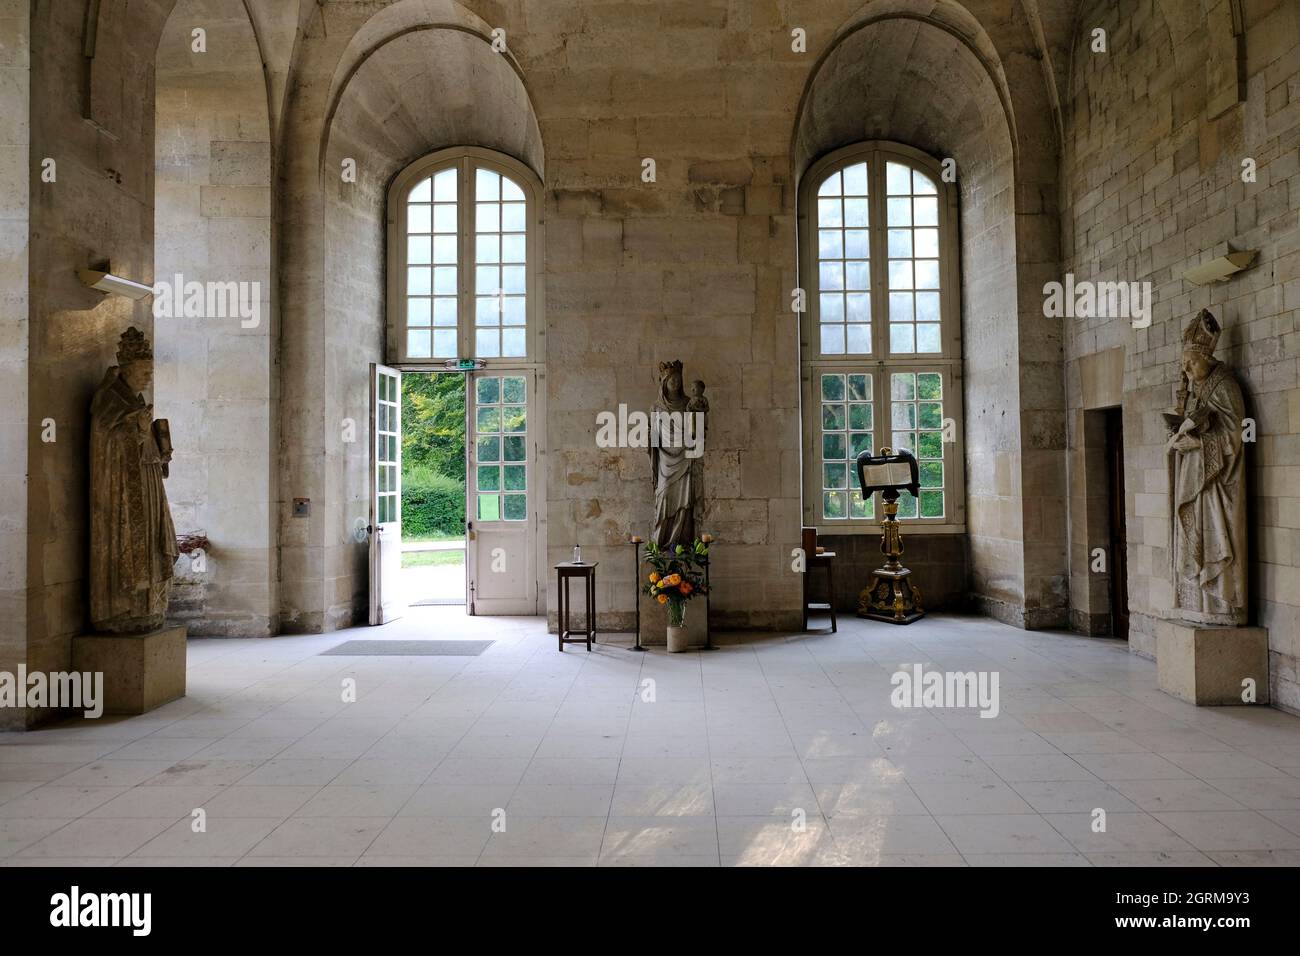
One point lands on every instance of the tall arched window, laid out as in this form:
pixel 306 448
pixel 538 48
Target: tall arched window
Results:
pixel 463 253
pixel 881 332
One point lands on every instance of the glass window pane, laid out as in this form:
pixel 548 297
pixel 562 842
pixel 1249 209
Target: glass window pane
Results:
pixel 927 306
pixel 418 219
pixel 513 311
pixel 931 474
pixel 487 280
pixel 423 191
pixel 444 250
pixel 900 212
pixel 514 448
pixel 856 245
pixel 516 507
pixel 418 344
pixel 489 477
pixel 928 339
pixel 444 343
pixel 830 185
pixel 900 243
pixel 830 244
pixel 514 390
pixel 444 311
pixel 858 443
pixel 906 505
pixel 859 339
pixel 925 212
pixel 860 416
pixel 859 508
pixel 417 280
pixel 929 385
pixel 902 386
pixel 487 217
pixel 831 307
pixel 930 445
pixel 860 387
pixel 834 447
pixel 487 390
pixel 512 280
pixel 927 273
pixel 931 504
pixel 487 185
pixel 514 418
pixel 929 415
pixel 900 274
pixel 489 418
pixel 418 311
pixel 927 243
pixel 487 249
pixel 833 388
pixel 444 186
pixel 833 476
pixel 829 213
pixel 830 275
pixel 900 307
pixel 489 508
pixel 487 343
pixel 833 504
pixel 444 280
pixel 514 249
pixel 516 477
pixel 903 414
pixel 419 250
pixel 832 339
pixel 832 417
pixel 857 275
pixel 855 213
pixel 855 180
pixel 898 179
pixel 513 217
pixel 513 343
pixel 922 183
pixel 487 311
pixel 510 190
pixel 444 218
pixel 489 448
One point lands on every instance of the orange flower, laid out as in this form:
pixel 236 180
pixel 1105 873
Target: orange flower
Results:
pixel 663 599
pixel 686 587
pixel 654 576
pixel 673 579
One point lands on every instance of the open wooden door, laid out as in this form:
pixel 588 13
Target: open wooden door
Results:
pixel 386 600
pixel 503 499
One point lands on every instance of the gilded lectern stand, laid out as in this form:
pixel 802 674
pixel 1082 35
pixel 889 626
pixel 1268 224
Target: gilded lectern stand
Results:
pixel 891 596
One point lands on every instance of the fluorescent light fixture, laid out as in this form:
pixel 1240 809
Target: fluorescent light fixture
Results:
pixel 1220 269
pixel 107 282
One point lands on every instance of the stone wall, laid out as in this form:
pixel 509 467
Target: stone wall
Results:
pixel 1157 130
pixel 15 170
pixel 214 373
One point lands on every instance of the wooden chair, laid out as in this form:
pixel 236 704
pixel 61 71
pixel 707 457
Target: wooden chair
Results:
pixel 812 560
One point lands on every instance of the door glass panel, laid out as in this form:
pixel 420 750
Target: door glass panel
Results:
pixel 501 442
pixel 847 421
pixel 916 414
pixel 431 239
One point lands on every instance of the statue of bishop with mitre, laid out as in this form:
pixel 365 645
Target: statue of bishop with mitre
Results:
pixel 1207 471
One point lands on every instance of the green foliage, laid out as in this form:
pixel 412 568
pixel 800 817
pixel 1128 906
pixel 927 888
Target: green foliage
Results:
pixel 433 423
pixel 433 455
pixel 431 503
pixel 677 576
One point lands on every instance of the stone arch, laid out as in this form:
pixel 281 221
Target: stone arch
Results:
pixel 215 370
pixel 416 76
pixel 928 75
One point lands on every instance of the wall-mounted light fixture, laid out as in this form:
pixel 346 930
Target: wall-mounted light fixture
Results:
pixel 105 281
pixel 1220 269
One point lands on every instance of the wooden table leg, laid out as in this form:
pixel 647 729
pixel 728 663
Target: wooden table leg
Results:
pixel 830 584
pixel 591 608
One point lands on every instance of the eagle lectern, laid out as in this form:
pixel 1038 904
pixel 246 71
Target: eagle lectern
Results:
pixel 891 596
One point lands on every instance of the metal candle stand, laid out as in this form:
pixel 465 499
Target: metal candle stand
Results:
pixel 636 581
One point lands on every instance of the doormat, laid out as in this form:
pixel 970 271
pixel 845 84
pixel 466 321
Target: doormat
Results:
pixel 408 649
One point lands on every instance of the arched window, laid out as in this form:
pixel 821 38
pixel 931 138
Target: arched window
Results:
pixel 463 253
pixel 881 332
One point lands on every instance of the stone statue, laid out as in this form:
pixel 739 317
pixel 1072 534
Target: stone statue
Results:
pixel 132 540
pixel 1207 484
pixel 676 449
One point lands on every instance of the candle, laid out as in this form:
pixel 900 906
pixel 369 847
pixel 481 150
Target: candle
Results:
pixel 636 539
pixel 706 538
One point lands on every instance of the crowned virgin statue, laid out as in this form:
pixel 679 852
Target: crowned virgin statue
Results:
pixel 676 444
pixel 1207 484
pixel 132 540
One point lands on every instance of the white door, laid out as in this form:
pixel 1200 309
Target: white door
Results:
pixel 386 601
pixel 502 493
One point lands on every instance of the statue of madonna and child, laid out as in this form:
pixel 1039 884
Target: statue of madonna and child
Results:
pixel 676 447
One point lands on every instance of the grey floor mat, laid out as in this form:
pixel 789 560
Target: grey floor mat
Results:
pixel 408 649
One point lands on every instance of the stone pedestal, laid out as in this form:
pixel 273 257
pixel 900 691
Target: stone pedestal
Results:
pixel 141 671
pixel 1205 664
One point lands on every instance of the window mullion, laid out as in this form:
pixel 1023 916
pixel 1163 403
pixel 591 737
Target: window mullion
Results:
pixel 465 259
pixel 879 273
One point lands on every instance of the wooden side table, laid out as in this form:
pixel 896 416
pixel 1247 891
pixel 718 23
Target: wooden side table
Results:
pixel 565 572
pixel 824 560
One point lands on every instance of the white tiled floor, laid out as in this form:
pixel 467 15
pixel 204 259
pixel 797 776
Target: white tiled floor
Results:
pixel 771 750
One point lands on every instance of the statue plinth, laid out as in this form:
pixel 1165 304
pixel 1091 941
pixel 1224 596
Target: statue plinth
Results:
pixel 1212 665
pixel 141 671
